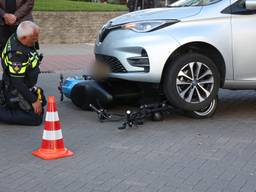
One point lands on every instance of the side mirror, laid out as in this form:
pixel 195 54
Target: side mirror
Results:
pixel 250 4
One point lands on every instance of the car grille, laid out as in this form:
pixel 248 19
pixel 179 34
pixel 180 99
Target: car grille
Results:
pixel 112 62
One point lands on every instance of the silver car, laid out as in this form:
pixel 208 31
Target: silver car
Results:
pixel 190 49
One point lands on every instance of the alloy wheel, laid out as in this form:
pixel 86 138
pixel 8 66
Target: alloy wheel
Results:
pixel 195 82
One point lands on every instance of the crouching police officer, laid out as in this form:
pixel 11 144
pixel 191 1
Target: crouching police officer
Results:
pixel 21 102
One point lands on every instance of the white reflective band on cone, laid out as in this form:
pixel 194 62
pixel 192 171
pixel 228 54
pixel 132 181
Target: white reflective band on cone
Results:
pixel 52 116
pixel 52 135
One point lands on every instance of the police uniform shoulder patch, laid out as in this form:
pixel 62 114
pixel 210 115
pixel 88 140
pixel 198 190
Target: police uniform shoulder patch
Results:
pixel 16 67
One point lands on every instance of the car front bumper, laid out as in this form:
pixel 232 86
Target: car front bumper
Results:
pixel 136 56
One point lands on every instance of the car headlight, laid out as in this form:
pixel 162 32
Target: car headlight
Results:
pixel 147 26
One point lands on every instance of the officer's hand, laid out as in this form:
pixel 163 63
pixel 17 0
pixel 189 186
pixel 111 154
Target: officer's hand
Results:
pixel 37 107
pixel 13 19
pixel 9 19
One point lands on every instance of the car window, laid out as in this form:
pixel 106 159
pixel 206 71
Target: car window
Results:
pixel 189 3
pixel 241 4
pixel 238 8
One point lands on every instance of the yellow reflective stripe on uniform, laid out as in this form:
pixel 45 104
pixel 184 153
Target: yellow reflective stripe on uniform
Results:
pixel 25 63
pixel 3 53
pixel 34 60
pixel 39 94
pixel 4 56
pixel 7 46
pixel 21 71
pixel 34 63
pixel 7 62
pixel 11 70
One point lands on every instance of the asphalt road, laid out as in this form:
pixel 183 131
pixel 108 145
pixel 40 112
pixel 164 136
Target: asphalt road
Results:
pixel 178 154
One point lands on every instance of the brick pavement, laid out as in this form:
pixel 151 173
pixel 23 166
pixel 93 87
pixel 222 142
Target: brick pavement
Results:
pixel 72 57
pixel 66 62
pixel 178 154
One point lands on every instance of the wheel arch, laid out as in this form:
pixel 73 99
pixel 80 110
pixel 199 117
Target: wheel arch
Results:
pixel 203 48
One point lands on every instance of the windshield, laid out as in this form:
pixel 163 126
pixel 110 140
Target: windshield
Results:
pixel 190 3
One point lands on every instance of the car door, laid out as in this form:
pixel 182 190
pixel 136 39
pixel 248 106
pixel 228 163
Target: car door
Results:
pixel 244 41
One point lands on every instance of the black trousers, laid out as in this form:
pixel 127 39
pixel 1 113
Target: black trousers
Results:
pixel 5 33
pixel 19 117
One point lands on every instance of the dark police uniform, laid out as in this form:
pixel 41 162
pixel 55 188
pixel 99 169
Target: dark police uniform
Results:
pixel 20 73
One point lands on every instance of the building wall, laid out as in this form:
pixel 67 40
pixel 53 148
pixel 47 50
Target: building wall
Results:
pixel 71 27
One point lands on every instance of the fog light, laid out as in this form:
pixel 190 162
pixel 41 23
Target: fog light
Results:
pixel 140 61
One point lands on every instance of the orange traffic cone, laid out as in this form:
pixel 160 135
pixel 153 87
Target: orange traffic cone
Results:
pixel 52 146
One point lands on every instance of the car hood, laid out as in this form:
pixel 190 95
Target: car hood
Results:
pixel 157 13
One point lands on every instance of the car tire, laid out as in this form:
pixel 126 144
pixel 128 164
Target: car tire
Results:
pixel 191 82
pixel 206 112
